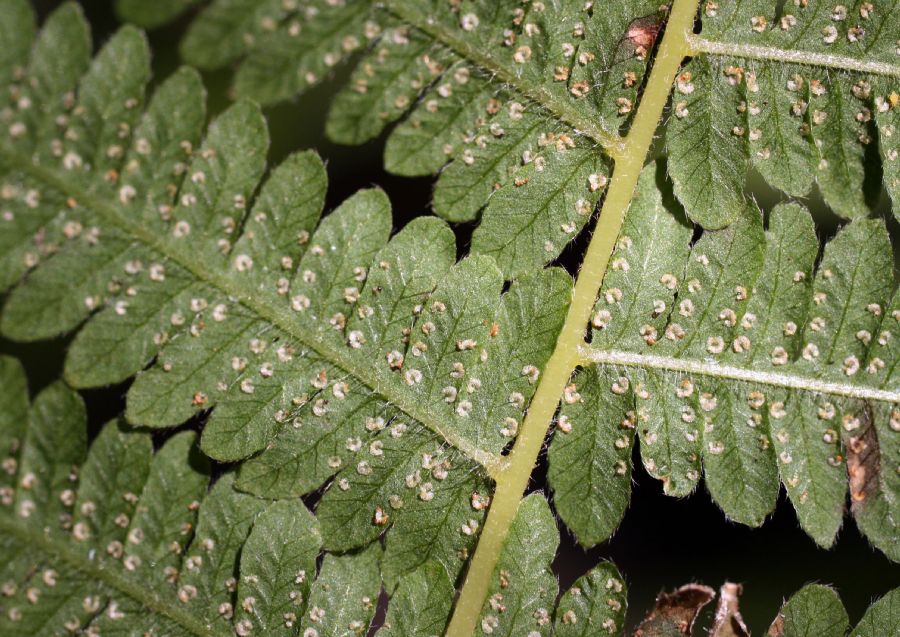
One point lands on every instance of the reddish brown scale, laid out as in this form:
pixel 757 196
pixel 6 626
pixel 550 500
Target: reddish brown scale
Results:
pixel 642 33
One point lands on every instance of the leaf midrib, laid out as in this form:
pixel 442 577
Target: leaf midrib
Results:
pixel 800 382
pixel 703 46
pixel 279 317
pixel 137 590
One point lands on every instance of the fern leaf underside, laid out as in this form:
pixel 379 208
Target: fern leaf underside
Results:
pixel 112 536
pixel 514 105
pixel 327 351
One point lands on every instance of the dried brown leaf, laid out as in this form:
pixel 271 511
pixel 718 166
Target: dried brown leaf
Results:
pixel 863 462
pixel 728 621
pixel 777 627
pixel 674 613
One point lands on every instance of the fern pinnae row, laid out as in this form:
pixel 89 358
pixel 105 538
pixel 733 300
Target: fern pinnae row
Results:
pixel 112 535
pixel 703 46
pixel 198 211
pixel 613 145
pixel 138 591
pixel 613 357
pixel 279 317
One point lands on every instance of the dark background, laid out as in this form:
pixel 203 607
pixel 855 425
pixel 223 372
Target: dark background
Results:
pixel 662 542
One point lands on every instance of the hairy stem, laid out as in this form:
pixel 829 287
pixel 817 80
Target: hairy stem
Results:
pixel 513 479
pixel 703 368
pixel 700 46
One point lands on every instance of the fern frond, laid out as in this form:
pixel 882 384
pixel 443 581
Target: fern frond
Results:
pixel 796 94
pixel 323 348
pixel 740 355
pixel 521 111
pixel 800 95
pixel 523 590
pixel 281 47
pixel 114 537
pixel 325 351
pixel 523 100
pixel 117 538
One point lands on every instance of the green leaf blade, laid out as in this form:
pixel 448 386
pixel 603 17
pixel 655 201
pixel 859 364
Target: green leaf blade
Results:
pixel 706 166
pixel 384 85
pixel 881 618
pixel 590 456
pixel 595 603
pixel 532 217
pixel 814 610
pixel 109 485
pixel 420 605
pixel 301 51
pixel 278 562
pixel 175 485
pixel 523 590
pixel 343 599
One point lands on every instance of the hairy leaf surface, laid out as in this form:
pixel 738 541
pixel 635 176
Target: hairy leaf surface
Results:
pixel 118 537
pixel 406 391
pixel 740 357
pixel 803 95
pixel 319 348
